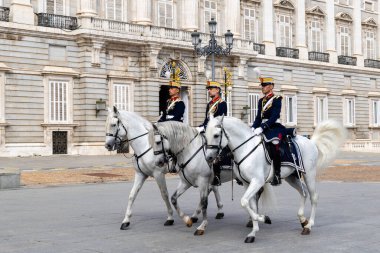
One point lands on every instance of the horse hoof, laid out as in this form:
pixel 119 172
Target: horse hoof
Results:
pixel 303 224
pixel 267 220
pixel 249 239
pixel 219 216
pixel 305 231
pixel 124 226
pixel 194 219
pixel 199 232
pixel 169 222
pixel 249 224
pixel 189 223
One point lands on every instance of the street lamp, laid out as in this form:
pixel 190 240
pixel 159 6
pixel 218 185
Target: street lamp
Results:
pixel 212 48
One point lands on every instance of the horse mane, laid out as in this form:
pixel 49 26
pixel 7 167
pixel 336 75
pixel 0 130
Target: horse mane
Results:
pixel 147 125
pixel 235 121
pixel 178 134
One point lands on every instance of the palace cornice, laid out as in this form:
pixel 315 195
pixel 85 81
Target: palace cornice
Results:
pixel 53 70
pixel 4 67
pixel 60 125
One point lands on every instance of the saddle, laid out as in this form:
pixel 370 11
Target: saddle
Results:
pixel 289 152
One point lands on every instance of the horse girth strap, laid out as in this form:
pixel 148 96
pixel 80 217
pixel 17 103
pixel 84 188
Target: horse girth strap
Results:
pixel 141 155
pixel 182 166
pixel 253 150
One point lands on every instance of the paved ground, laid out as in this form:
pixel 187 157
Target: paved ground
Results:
pixel 86 218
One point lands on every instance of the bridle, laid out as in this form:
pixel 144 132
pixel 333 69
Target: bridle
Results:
pixel 117 137
pixel 156 132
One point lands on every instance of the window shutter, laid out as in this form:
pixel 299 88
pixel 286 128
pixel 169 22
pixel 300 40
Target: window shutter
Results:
pixel 169 15
pixel 161 14
pixel 253 100
pixel 58 101
pixel 119 10
pixel 121 96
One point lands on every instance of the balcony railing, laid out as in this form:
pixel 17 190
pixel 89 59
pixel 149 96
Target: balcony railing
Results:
pixel 371 63
pixel 347 60
pixel 4 14
pixel 57 21
pixel 287 52
pixel 260 48
pixel 318 56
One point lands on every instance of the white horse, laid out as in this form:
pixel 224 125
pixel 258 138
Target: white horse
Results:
pixel 254 171
pixel 124 127
pixel 187 145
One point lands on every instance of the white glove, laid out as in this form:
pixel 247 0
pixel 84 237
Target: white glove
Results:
pixel 253 129
pixel 200 129
pixel 258 131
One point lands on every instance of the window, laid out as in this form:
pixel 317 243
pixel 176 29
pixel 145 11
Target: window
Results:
pixel 349 111
pixel 55 7
pixel 253 102
pixel 316 37
pixel 370 45
pixel 165 13
pixel 122 97
pixel 167 69
pixel 291 109
pixel 58 91
pixel 250 25
pixel 376 113
pixel 321 109
pixel 369 6
pixel 285 31
pixel 344 41
pixel 344 2
pixel 210 12
pixel 114 9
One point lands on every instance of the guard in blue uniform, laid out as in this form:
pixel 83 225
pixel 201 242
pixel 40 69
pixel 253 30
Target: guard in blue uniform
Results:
pixel 268 122
pixel 216 107
pixel 175 107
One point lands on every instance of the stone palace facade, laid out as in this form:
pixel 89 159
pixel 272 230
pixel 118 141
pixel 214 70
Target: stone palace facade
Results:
pixel 63 61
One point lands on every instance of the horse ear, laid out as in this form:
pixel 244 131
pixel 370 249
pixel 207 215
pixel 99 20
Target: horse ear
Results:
pixel 115 109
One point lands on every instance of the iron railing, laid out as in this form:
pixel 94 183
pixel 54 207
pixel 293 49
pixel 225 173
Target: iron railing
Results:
pixel 287 52
pixel 318 56
pixel 347 60
pixel 4 14
pixel 372 63
pixel 57 21
pixel 260 48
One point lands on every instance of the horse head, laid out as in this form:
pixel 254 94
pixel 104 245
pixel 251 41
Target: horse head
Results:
pixel 216 138
pixel 161 147
pixel 115 130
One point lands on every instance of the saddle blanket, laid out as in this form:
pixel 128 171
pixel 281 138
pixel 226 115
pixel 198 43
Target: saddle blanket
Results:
pixel 286 155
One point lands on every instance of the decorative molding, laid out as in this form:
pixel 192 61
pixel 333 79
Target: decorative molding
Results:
pixel 60 125
pixel 374 94
pixel 369 22
pixel 4 67
pixel 349 92
pixel 321 90
pixel 317 11
pixel 284 4
pixel 343 16
pixel 96 49
pixel 52 70
pixel 288 88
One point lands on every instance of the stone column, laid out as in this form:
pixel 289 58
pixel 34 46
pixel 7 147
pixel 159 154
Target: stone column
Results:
pixel 270 47
pixel 357 33
pixel 143 12
pixel 21 11
pixel 232 18
pixel 300 30
pixel 330 32
pixel 190 20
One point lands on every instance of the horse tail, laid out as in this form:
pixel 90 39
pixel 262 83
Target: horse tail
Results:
pixel 328 136
pixel 268 200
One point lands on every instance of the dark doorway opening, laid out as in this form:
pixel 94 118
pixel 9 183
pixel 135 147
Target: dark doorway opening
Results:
pixel 59 142
pixel 164 96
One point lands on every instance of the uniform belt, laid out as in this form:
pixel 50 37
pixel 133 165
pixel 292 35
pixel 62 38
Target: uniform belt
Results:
pixel 277 121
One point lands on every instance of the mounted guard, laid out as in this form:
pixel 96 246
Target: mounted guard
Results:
pixel 216 107
pixel 175 107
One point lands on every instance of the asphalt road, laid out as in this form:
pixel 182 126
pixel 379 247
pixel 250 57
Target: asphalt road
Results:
pixel 86 218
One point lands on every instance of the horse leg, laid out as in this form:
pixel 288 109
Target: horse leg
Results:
pixel 310 183
pixel 161 182
pixel 246 203
pixel 219 203
pixel 294 182
pixel 138 182
pixel 181 188
pixel 194 217
pixel 204 192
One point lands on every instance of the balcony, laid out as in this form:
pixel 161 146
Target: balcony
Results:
pixel 371 63
pixel 4 14
pixel 260 48
pixel 318 56
pixel 347 60
pixel 287 52
pixel 57 21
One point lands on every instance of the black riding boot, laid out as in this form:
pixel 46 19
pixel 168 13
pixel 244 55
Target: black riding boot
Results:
pixel 276 165
pixel 216 168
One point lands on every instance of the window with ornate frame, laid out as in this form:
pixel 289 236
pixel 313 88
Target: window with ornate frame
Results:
pixel 375 112
pixel 349 111
pixel 253 102
pixel 368 5
pixel 210 11
pixel 59 7
pixel 291 109
pixel 167 69
pixel 370 45
pixel 250 24
pixel 114 9
pixel 321 108
pixel 165 13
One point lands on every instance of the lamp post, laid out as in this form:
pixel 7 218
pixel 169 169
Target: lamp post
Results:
pixel 212 48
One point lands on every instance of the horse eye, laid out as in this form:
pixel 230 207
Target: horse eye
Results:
pixel 216 135
pixel 113 125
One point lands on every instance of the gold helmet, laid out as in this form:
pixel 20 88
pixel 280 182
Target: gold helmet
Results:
pixel 213 84
pixel 266 81
pixel 174 77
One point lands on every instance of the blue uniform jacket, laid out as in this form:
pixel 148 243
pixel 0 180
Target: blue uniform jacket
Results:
pixel 271 129
pixel 174 113
pixel 219 110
